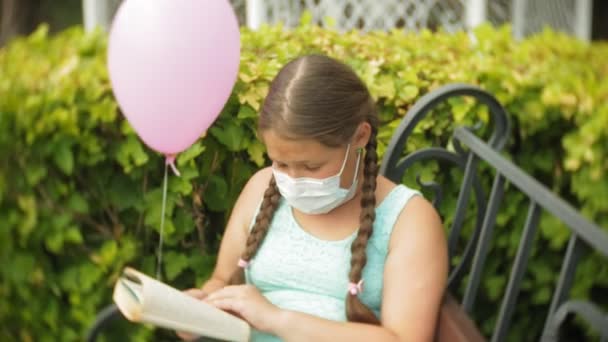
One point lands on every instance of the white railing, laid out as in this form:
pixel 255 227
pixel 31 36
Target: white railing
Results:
pixel 98 13
pixel 368 14
pixel 526 16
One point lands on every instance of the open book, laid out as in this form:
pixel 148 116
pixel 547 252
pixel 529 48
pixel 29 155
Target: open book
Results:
pixel 143 299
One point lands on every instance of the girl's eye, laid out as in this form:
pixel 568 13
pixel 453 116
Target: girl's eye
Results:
pixel 280 165
pixel 311 168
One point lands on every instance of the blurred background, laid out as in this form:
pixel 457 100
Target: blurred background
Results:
pixel 585 19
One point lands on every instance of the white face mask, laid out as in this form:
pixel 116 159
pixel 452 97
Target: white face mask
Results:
pixel 316 196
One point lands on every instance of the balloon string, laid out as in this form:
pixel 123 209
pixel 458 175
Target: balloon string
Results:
pixel 162 224
pixel 171 162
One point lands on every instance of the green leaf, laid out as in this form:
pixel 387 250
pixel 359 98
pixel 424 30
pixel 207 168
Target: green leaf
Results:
pixel 306 18
pixel 39 36
pixel 153 202
pixel 78 204
pixel 19 268
pixel 51 315
pixel 27 222
pixel 460 108
pixel 495 285
pixel 180 185
pixel 408 93
pixel 73 235
pixel 216 194
pixel 541 296
pixel 191 153
pixel 329 22
pixel 184 222
pixel 174 264
pixel 123 193
pixel 108 252
pixel 384 87
pixel 131 154
pixel 54 242
pixel 256 152
pixel 105 110
pixel 554 231
pixel 89 276
pixel 246 112
pixel 189 173
pixel 230 135
pixel 35 173
pixel 63 157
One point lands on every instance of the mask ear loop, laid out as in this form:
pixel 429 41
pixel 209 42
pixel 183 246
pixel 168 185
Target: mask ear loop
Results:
pixel 359 152
pixel 344 162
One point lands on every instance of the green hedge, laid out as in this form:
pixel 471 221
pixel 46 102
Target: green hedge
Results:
pixel 80 195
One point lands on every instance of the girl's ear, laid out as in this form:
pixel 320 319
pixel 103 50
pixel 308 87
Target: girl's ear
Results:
pixel 362 135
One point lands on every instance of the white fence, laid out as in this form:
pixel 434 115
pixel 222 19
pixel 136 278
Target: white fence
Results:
pixel 526 16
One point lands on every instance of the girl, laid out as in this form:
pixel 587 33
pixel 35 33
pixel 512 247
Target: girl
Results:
pixel 319 247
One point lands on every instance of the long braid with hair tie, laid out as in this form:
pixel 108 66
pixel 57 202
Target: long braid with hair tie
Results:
pixel 258 231
pixel 356 311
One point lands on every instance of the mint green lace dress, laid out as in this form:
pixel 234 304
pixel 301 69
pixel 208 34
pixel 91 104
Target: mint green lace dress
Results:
pixel 297 271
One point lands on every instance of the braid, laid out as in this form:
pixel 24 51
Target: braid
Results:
pixel 259 230
pixel 356 311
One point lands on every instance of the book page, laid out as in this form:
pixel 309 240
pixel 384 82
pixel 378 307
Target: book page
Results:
pixel 170 308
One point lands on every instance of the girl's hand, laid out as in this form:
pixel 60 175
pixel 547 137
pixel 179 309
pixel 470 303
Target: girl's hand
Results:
pixel 247 302
pixel 198 294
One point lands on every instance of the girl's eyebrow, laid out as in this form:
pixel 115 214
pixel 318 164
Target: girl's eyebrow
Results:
pixel 297 161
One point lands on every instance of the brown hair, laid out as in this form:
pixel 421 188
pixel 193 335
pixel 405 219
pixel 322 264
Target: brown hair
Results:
pixel 316 97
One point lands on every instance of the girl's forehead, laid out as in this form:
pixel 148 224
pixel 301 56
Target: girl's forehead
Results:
pixel 283 149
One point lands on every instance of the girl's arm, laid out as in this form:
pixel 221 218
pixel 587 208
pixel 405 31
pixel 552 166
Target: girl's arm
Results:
pixel 235 235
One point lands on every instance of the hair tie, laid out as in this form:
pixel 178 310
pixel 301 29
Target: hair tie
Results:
pixel 355 289
pixel 243 263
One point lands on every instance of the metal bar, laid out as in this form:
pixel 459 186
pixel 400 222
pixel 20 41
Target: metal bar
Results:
pixel 591 233
pixel 461 204
pixel 484 242
pixel 566 277
pixel 105 317
pixel 517 273
pixel 589 312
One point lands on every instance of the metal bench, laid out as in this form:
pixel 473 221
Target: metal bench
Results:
pixel 469 152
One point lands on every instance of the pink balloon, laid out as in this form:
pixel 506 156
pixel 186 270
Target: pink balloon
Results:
pixel 172 66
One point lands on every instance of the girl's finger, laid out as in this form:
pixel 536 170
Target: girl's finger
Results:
pixel 225 304
pixel 196 293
